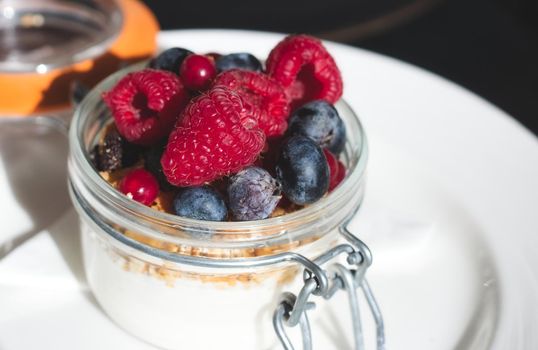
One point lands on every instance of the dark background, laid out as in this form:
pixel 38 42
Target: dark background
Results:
pixel 488 46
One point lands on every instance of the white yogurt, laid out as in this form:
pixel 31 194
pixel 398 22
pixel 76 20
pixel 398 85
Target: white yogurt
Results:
pixel 170 312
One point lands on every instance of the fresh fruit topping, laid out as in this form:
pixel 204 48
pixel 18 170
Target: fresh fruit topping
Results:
pixel 215 136
pixel 319 121
pixel 140 185
pixel 241 60
pixel 145 104
pixel 332 162
pixel 170 59
pixel 201 142
pixel 303 170
pixel 197 72
pixel 337 170
pixel 201 203
pixel 262 95
pixel 253 194
pixel 306 70
pixel 270 154
pixel 152 163
pixel 114 152
pixel 341 175
pixel 110 152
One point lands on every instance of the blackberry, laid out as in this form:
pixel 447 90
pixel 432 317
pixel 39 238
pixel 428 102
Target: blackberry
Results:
pixel 110 152
pixel 114 152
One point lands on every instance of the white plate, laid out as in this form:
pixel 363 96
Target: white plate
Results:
pixel 450 215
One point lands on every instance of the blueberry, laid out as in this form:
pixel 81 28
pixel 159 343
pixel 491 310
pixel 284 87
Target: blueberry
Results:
pixel 170 59
pixel 152 163
pixel 240 60
pixel 201 203
pixel 319 121
pixel 253 194
pixel 303 170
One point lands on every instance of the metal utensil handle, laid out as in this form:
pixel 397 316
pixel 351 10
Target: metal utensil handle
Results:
pixel 291 310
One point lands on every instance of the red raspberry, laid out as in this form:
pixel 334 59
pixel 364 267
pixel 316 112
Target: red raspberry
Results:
pixel 265 95
pixel 305 69
pixel 145 104
pixel 215 136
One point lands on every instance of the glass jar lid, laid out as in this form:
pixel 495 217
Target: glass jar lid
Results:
pixel 40 35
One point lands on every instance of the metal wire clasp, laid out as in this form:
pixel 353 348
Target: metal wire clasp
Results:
pixel 291 309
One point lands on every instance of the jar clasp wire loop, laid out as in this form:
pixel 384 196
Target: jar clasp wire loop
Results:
pixel 291 309
pixel 282 315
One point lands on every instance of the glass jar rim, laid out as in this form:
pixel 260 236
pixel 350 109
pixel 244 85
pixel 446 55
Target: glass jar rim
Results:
pixel 80 158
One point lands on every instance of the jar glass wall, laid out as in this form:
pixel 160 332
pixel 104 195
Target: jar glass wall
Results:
pixel 166 278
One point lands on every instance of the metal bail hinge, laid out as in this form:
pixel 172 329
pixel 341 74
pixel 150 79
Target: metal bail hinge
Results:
pixel 291 310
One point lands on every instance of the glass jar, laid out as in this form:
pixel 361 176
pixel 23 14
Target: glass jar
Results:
pixel 173 281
